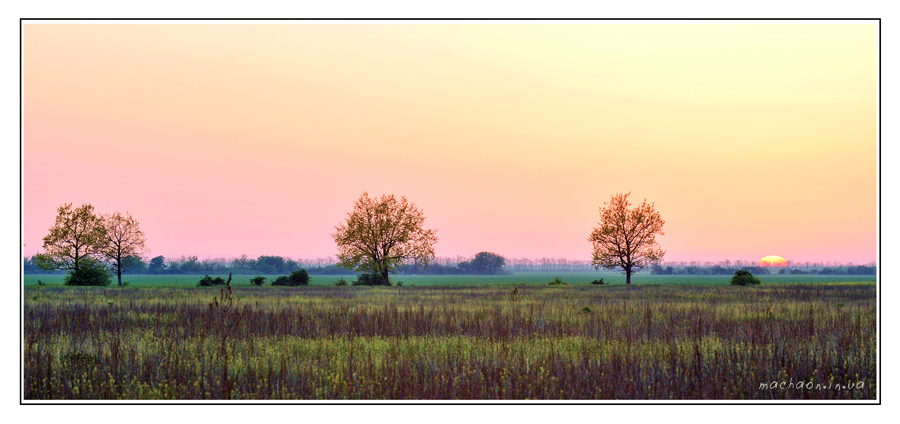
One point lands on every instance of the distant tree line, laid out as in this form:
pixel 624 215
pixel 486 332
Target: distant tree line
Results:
pixel 483 263
pixel 459 265
pixel 693 268
pixel 833 270
pixel 700 270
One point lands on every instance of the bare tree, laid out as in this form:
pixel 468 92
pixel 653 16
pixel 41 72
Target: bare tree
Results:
pixel 381 233
pixel 122 238
pixel 626 238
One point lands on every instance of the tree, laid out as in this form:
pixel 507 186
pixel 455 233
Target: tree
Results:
pixel 380 234
pixel 626 238
pixel 486 263
pixel 123 238
pixel 134 265
pixel 270 264
pixel 77 234
pixel 157 265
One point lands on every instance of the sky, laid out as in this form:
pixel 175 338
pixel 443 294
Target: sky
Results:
pixel 229 139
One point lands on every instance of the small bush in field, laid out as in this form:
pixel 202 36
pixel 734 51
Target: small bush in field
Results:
pixel 258 280
pixel 743 278
pixel 598 282
pixel 557 282
pixel 341 282
pixel 371 280
pixel 90 273
pixel 297 278
pixel 207 281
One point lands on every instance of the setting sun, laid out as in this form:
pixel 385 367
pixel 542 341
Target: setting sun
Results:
pixel 773 260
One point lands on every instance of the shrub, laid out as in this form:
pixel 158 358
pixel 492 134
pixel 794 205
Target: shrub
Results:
pixel 258 280
pixel 371 280
pixel 600 281
pixel 207 281
pixel 557 282
pixel 743 278
pixel 90 273
pixel 297 278
pixel 341 282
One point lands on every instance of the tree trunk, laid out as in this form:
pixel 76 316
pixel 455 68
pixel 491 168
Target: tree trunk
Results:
pixel 384 274
pixel 627 276
pixel 119 273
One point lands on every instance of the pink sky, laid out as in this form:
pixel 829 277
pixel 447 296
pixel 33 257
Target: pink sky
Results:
pixel 223 140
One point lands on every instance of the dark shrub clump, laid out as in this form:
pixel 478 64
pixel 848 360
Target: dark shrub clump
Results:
pixel 743 278
pixel 207 281
pixel 91 272
pixel 297 278
pixel 600 281
pixel 371 280
pixel 258 280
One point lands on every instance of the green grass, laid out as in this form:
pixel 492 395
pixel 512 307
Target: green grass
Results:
pixel 528 278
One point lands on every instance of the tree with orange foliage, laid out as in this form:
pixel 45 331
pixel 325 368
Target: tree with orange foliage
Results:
pixel 626 238
pixel 380 234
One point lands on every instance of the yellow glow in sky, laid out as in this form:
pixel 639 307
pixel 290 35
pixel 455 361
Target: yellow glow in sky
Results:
pixel 749 138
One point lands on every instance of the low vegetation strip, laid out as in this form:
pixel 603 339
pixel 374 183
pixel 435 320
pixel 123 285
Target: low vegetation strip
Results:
pixel 442 280
pixel 527 342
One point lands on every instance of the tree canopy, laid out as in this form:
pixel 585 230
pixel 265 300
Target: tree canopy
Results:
pixel 122 238
pixel 77 234
pixel 381 233
pixel 626 238
pixel 486 263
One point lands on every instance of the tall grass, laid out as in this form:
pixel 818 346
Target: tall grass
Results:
pixel 569 342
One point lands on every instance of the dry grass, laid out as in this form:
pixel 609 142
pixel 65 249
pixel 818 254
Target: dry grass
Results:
pixel 665 342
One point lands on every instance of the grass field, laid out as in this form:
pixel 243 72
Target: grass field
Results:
pixel 517 278
pixel 451 342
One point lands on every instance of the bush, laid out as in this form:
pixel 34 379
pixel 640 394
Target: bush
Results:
pixel 207 281
pixel 743 278
pixel 258 280
pixel 341 282
pixel 557 282
pixel 297 278
pixel 600 281
pixel 371 280
pixel 90 273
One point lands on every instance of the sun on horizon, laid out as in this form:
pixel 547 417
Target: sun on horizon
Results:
pixel 773 260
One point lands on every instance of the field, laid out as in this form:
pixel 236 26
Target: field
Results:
pixel 455 280
pixel 481 341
